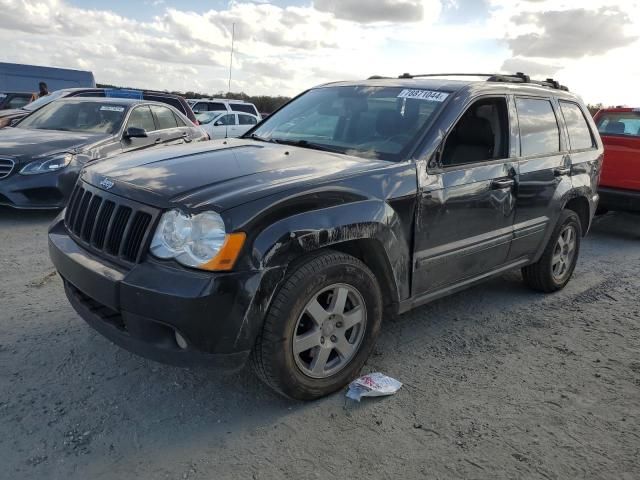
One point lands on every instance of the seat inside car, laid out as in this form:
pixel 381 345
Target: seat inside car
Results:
pixel 615 127
pixel 471 141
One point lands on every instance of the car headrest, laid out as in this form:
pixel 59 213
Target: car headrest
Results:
pixel 389 123
pixel 615 127
pixel 474 131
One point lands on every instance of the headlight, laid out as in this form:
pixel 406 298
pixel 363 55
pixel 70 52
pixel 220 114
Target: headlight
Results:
pixel 198 241
pixel 50 164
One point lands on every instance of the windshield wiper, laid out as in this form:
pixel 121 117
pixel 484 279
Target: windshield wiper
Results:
pixel 258 138
pixel 307 144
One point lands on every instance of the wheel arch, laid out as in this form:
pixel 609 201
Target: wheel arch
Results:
pixel 369 230
pixel 580 205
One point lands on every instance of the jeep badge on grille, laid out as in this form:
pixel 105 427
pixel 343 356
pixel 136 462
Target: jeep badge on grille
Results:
pixel 106 184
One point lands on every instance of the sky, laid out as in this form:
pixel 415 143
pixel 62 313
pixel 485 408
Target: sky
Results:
pixel 283 47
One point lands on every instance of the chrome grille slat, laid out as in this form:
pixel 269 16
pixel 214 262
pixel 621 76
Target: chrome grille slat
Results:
pixel 6 167
pixel 109 225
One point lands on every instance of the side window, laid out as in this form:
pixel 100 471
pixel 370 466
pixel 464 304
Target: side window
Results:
pixel 199 107
pixel 164 117
pixel 226 120
pixel 217 107
pixel 141 118
pixel 619 123
pixel 243 107
pixel 481 134
pixel 17 102
pixel 539 132
pixel 579 131
pixel 179 120
pixel 247 119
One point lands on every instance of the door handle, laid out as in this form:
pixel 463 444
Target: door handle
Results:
pixel 501 183
pixel 562 171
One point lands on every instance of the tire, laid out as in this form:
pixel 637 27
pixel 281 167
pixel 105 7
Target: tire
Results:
pixel 294 322
pixel 546 275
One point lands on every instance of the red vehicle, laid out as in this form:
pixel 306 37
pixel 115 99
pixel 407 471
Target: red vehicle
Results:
pixel 620 177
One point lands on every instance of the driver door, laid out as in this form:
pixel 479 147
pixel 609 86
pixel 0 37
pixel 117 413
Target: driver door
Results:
pixel 464 226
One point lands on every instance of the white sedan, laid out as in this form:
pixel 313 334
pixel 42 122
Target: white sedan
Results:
pixel 225 124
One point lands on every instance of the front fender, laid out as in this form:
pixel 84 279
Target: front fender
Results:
pixel 289 238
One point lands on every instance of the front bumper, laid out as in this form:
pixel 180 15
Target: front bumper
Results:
pixel 617 199
pixel 45 191
pixel 141 309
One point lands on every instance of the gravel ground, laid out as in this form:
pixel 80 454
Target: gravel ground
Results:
pixel 500 382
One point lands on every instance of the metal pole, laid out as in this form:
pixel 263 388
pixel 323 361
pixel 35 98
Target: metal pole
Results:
pixel 233 36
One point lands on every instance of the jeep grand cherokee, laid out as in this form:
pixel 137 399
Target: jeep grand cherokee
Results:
pixel 356 198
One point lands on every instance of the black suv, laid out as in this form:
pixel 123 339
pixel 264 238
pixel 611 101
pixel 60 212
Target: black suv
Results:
pixel 355 200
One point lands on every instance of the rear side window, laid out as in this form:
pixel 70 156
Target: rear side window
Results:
pixel 141 118
pixel 539 132
pixel 247 119
pixel 179 120
pixel 579 132
pixel 620 123
pixel 243 107
pixel 164 117
pixel 174 102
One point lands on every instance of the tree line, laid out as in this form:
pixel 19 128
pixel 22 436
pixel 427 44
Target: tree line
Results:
pixel 264 103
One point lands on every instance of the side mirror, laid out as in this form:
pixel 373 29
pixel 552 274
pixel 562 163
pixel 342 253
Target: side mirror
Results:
pixel 218 124
pixel 135 132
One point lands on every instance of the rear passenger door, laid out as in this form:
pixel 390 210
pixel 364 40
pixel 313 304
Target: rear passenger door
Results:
pixel 544 167
pixel 141 117
pixel 169 131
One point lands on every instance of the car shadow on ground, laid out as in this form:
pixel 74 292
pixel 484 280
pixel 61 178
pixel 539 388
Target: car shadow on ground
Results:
pixel 12 216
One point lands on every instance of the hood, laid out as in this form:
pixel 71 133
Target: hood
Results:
pixel 24 144
pixel 220 174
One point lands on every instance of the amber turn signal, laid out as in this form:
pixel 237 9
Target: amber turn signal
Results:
pixel 226 258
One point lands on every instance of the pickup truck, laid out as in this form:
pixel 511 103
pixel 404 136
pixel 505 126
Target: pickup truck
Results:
pixel 620 177
pixel 355 201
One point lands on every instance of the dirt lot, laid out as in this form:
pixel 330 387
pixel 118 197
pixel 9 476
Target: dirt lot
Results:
pixel 500 382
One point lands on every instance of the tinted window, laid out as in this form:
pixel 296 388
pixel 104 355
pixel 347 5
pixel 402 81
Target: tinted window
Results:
pixel 243 107
pixel 174 102
pixel 229 119
pixel 579 132
pixel 539 132
pixel 620 123
pixel 91 117
pixel 216 107
pixel 141 118
pixel 200 107
pixel 481 134
pixel 96 93
pixel 164 117
pixel 247 119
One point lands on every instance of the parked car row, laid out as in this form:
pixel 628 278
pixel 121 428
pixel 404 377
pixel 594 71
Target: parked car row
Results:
pixel 49 140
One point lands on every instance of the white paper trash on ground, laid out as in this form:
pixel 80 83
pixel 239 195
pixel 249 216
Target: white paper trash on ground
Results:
pixel 373 385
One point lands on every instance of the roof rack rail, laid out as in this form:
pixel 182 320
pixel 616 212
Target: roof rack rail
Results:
pixel 519 77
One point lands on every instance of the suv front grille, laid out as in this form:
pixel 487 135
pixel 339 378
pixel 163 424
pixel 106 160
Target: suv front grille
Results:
pixel 6 167
pixel 108 224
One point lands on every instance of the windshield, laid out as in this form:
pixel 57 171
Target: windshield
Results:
pixel 370 122
pixel 208 117
pixel 42 101
pixel 90 117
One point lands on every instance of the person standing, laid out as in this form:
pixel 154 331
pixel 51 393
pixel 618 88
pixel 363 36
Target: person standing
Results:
pixel 44 91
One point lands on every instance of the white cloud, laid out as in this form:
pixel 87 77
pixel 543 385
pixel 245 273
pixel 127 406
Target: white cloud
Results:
pixel 283 50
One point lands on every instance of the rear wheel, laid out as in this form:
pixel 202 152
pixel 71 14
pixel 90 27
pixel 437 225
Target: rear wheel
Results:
pixel 320 328
pixel 555 268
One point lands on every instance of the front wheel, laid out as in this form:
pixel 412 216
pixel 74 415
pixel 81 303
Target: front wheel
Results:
pixel 321 327
pixel 555 268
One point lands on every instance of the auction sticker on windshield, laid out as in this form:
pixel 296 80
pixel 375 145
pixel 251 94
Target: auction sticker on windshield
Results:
pixel 429 95
pixel 108 108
